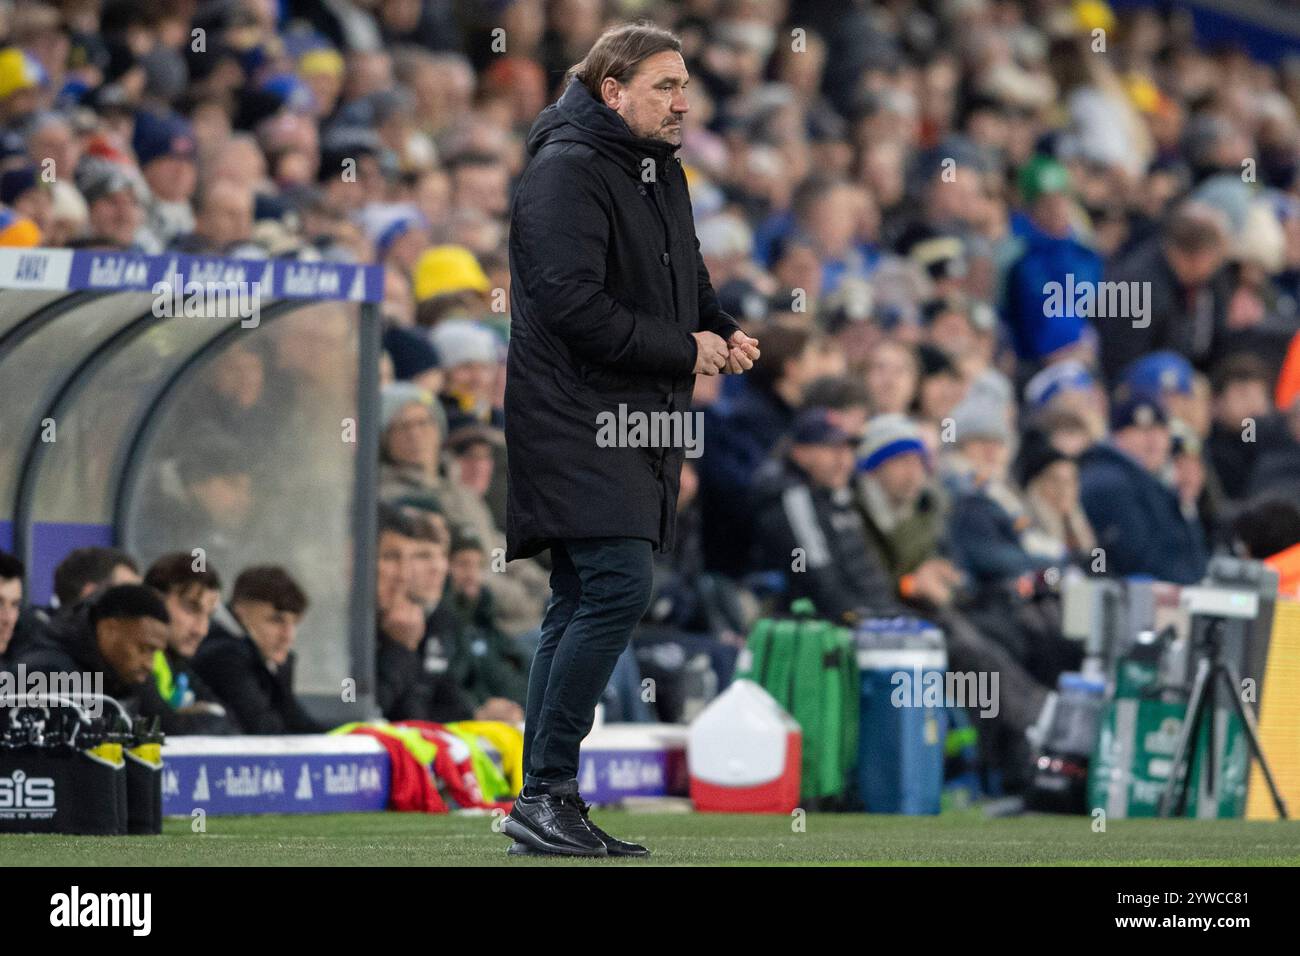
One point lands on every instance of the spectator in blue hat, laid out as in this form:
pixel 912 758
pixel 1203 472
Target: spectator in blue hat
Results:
pixel 165 149
pixel 1067 387
pixel 1168 379
pixel 1141 524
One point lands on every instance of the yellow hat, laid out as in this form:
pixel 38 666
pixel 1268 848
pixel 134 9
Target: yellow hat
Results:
pixel 1093 15
pixel 1142 92
pixel 19 232
pixel 443 270
pixel 18 72
pixel 323 60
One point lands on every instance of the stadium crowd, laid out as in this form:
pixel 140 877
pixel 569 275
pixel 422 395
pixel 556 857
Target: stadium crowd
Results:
pixel 1025 277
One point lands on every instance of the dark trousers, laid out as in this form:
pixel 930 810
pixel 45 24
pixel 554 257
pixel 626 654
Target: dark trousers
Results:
pixel 600 588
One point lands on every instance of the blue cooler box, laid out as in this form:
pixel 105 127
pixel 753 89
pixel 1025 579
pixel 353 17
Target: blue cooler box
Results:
pixel 900 740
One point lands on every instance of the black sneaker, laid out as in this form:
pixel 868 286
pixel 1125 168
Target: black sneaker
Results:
pixel 613 846
pixel 553 823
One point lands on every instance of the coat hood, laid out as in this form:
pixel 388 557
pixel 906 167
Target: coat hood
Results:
pixel 577 117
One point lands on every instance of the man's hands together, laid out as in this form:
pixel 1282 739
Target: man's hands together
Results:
pixel 714 354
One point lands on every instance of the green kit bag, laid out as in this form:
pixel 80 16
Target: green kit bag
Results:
pixel 809 666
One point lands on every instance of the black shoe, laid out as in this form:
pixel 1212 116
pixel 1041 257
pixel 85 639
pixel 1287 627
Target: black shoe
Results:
pixel 553 823
pixel 521 849
pixel 613 846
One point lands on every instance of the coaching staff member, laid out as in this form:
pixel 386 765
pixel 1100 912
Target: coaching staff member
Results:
pixel 610 304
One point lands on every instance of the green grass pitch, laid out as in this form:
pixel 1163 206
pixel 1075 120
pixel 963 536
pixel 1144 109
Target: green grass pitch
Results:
pixel 964 838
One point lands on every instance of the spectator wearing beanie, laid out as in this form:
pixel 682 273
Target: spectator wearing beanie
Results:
pixel 165 148
pixel 1138 518
pixel 978 448
pixel 1165 378
pixel 415 359
pixel 903 509
pixel 905 517
pixel 470 361
pixel 1067 387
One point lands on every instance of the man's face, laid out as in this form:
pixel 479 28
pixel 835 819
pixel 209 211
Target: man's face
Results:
pixel 1240 400
pixel 129 644
pixel 413 436
pixel 227 215
pixel 429 564
pixel 172 178
pixel 653 103
pixel 11 596
pixel 396 568
pixel 988 457
pixel 116 216
pixel 891 379
pixel 902 477
pixel 1058 486
pixel 475 465
pixel 952 331
pixel 467 572
pixel 829 466
pixel 1150 445
pixel 1052 212
pixel 1195 267
pixel 272 631
pixel 190 609
pixel 472 378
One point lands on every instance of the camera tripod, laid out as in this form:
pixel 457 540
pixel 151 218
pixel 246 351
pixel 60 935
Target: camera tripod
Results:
pixel 1212 671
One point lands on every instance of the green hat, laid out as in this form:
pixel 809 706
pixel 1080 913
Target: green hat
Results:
pixel 1042 175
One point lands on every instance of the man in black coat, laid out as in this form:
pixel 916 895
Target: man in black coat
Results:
pixel 1141 523
pixel 612 316
pixel 111 636
pixel 1184 290
pixel 247 658
pixel 11 603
